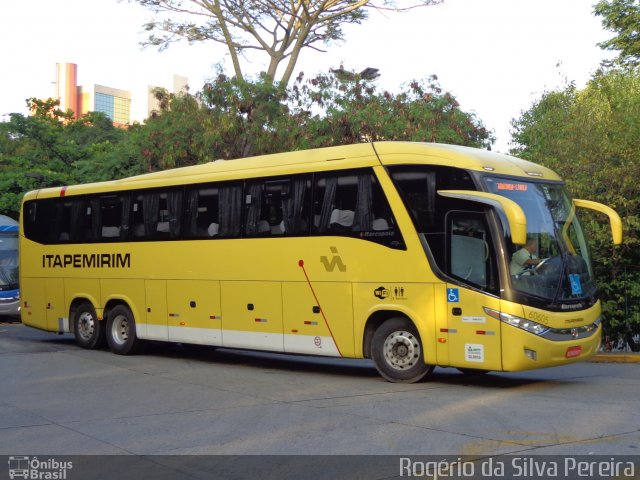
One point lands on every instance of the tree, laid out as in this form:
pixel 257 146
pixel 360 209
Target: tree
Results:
pixel 50 148
pixel 623 18
pixel 279 28
pixel 353 112
pixel 230 118
pixel 591 137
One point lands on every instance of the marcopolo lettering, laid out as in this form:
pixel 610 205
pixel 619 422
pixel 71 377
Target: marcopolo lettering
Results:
pixel 83 260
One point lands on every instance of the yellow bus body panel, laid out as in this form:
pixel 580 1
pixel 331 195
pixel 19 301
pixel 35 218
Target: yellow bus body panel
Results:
pixel 311 295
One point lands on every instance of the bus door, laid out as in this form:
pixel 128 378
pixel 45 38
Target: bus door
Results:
pixel 472 336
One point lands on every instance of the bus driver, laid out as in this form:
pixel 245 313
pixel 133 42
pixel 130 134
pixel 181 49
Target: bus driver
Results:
pixel 525 258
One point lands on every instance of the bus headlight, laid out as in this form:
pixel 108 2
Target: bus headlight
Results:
pixel 527 325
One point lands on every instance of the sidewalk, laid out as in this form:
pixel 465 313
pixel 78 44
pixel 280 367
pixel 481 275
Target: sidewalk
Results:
pixel 616 357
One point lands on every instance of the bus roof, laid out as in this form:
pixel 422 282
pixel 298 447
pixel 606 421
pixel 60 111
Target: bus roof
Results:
pixel 321 159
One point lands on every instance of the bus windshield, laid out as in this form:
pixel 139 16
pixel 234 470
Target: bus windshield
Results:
pixel 8 261
pixel 555 263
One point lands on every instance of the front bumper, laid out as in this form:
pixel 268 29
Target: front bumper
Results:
pixel 526 351
pixel 10 306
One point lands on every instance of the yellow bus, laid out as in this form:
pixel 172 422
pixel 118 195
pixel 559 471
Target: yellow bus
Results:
pixel 412 254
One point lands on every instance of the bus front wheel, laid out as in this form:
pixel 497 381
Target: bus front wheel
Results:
pixel 88 330
pixel 397 352
pixel 121 331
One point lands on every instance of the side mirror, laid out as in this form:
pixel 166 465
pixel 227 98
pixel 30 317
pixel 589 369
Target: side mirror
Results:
pixel 614 218
pixel 510 212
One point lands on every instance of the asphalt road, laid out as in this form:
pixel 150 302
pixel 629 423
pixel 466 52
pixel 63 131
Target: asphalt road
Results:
pixel 58 399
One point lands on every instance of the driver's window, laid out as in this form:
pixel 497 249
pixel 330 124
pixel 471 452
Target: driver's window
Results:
pixel 471 257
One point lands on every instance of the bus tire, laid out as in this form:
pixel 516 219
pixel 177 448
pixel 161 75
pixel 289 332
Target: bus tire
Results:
pixel 121 331
pixel 88 330
pixel 397 352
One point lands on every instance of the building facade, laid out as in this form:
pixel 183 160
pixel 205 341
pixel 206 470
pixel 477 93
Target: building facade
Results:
pixel 113 102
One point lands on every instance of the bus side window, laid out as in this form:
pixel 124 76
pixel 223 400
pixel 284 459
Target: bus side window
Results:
pixel 277 206
pixel 72 221
pixel 255 223
pixel 114 217
pixel 203 209
pixel 294 198
pixel 157 214
pixel 470 250
pixel 275 192
pixel 63 224
pixel 352 203
pixel 137 218
pixel 33 227
pixel 417 187
pixel 230 209
pixel 335 203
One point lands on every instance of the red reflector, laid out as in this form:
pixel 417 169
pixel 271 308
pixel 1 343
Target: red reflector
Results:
pixel 573 352
pixel 63 191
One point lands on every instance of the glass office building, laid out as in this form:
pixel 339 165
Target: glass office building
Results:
pixel 114 103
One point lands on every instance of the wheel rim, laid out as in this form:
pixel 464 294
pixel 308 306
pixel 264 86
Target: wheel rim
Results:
pixel 86 326
pixel 401 350
pixel 120 329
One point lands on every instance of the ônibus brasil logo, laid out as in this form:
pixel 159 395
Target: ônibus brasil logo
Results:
pixel 33 468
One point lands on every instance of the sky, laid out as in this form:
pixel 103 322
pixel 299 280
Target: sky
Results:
pixel 495 56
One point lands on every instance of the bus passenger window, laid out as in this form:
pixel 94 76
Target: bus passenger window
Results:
pixel 114 217
pixel 230 210
pixel 417 187
pixel 170 219
pixel 137 218
pixel 63 223
pixel 73 221
pixel 203 212
pixel 255 225
pixel 294 197
pixel 335 205
pixel 353 204
pixel 277 206
pixel 157 215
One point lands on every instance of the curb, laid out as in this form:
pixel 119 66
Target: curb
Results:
pixel 616 358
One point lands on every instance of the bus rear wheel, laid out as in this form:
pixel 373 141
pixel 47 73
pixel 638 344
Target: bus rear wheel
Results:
pixel 121 331
pixel 396 350
pixel 88 330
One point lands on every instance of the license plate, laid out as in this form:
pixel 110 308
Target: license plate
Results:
pixel 573 352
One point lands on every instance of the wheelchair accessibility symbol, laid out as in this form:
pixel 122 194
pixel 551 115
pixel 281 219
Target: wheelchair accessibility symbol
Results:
pixel 452 295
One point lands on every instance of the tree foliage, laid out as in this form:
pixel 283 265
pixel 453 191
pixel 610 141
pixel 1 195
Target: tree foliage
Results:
pixel 50 148
pixel 354 111
pixel 230 118
pixel 623 18
pixel 278 28
pixel 591 137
